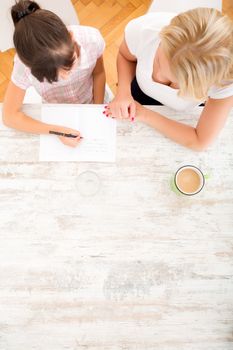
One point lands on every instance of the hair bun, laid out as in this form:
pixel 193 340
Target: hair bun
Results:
pixel 23 8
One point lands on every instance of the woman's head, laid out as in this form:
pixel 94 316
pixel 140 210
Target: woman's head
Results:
pixel 199 47
pixel 42 41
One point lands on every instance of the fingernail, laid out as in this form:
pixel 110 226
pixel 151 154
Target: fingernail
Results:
pixel 132 119
pixel 105 106
pixel 104 112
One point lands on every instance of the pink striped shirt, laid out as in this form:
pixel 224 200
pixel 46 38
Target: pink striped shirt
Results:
pixel 78 87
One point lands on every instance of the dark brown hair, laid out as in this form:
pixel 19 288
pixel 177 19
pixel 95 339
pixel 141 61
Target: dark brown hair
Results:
pixel 42 41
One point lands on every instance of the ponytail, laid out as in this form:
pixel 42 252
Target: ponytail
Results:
pixel 42 41
pixel 23 8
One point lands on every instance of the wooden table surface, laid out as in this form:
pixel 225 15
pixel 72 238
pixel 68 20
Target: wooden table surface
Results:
pixel 133 267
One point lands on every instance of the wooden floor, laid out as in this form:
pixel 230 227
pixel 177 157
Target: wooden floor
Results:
pixel 110 17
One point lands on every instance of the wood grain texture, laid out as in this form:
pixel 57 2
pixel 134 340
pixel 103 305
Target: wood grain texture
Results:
pixel 133 267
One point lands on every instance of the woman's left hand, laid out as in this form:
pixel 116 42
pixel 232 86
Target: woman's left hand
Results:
pixel 138 115
pixel 138 112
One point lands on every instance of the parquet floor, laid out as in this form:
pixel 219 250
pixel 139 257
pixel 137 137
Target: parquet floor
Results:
pixel 110 17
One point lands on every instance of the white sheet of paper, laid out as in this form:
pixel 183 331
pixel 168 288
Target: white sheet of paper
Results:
pixel 99 134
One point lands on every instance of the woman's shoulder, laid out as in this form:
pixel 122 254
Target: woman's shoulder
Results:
pixel 20 66
pixel 154 20
pixel 85 34
pixel 141 32
pixel 21 74
pixel 17 60
pixel 219 92
pixel 89 38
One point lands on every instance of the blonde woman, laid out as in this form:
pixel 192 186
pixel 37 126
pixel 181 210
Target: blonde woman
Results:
pixel 180 61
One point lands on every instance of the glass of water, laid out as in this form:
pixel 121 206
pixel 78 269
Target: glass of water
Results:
pixel 88 183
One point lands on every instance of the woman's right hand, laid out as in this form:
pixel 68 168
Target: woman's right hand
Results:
pixel 70 141
pixel 122 107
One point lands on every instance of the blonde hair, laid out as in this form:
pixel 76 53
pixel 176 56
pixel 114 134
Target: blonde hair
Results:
pixel 199 47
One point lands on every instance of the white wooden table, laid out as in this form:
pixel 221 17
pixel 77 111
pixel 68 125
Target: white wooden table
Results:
pixel 133 267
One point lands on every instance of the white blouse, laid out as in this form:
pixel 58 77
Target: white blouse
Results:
pixel 142 39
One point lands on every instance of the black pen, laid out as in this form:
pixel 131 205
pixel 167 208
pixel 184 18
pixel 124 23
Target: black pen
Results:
pixel 63 134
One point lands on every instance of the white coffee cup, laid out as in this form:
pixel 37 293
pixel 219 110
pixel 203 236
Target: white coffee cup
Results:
pixel 189 180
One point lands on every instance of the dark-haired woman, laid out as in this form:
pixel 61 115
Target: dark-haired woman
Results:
pixel 64 65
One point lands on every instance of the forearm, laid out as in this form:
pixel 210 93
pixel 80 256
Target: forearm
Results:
pixel 126 72
pixel 180 133
pixel 22 122
pixel 99 81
